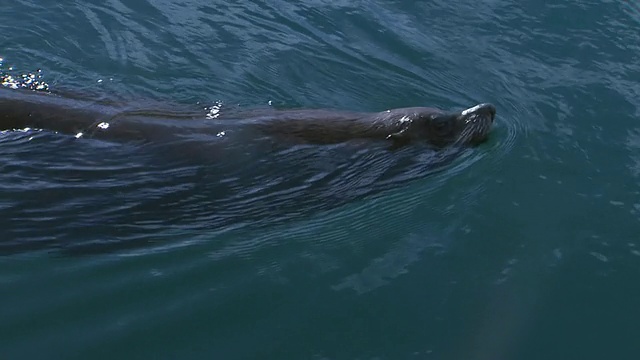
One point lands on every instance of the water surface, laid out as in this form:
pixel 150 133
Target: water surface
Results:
pixel 523 248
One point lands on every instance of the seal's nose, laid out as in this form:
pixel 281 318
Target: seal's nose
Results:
pixel 488 109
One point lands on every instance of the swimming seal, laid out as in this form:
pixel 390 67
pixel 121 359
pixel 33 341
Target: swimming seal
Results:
pixel 21 109
pixel 401 126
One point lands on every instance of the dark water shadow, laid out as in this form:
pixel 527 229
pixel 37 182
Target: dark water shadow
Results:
pixel 83 196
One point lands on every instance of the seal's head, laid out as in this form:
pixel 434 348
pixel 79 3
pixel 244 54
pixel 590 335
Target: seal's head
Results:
pixel 467 127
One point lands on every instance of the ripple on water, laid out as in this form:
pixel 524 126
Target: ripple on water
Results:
pixel 173 227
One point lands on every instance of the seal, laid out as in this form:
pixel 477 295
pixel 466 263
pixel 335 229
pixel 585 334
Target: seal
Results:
pixel 401 126
pixel 21 109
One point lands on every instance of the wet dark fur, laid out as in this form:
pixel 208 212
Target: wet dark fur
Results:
pixel 20 109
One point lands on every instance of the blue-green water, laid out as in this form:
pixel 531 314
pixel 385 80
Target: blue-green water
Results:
pixel 526 247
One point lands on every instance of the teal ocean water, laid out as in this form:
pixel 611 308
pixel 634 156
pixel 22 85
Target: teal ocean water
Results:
pixel 526 247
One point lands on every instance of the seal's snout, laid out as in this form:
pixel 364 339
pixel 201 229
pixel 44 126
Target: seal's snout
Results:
pixel 476 122
pixel 484 110
pixel 489 109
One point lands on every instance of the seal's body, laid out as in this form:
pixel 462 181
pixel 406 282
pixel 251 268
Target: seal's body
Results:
pixel 20 109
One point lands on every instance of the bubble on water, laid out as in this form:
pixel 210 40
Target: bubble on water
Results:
pixel 32 81
pixel 214 110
